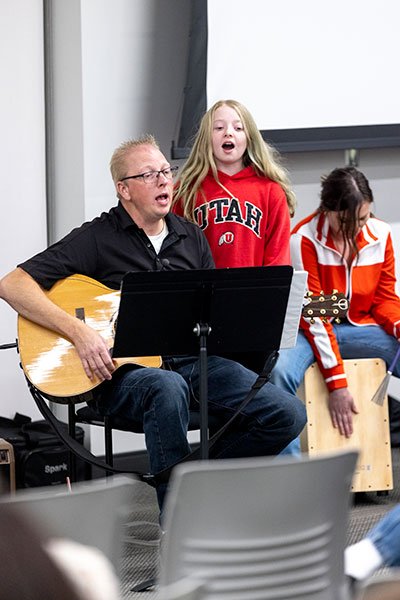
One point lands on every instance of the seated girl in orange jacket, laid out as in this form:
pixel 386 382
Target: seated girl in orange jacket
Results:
pixel 343 246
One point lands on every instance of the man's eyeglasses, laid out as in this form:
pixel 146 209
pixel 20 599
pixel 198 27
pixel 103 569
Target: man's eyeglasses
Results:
pixel 152 176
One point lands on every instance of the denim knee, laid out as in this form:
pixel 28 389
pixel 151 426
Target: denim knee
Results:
pixel 293 411
pixel 170 389
pixel 298 414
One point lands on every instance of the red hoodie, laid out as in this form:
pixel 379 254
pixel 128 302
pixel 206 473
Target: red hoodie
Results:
pixel 248 229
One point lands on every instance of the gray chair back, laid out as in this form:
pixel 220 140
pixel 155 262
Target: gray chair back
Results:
pixel 185 589
pixel 92 513
pixel 260 528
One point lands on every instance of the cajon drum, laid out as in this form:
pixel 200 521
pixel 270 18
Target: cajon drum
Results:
pixel 7 461
pixel 371 435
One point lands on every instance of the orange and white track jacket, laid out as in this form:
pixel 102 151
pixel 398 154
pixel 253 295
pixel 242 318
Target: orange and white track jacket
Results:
pixel 369 285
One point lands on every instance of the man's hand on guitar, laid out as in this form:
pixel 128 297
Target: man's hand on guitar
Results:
pixel 341 406
pixel 64 342
pixel 94 353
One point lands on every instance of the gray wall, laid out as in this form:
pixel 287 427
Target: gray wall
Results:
pixel 381 166
pixel 22 163
pixel 117 70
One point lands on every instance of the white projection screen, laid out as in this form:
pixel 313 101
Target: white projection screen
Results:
pixel 315 74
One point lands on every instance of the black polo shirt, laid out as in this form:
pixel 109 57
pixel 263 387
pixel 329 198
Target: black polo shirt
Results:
pixel 112 245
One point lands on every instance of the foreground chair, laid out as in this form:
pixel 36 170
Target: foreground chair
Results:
pixel 260 528
pixel 186 589
pixel 92 513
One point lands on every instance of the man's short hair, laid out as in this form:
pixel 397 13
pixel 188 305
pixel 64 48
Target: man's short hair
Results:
pixel 118 162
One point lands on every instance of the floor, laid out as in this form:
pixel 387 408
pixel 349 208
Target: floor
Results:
pixel 142 539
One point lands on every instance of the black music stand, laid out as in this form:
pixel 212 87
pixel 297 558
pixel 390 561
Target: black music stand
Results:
pixel 201 312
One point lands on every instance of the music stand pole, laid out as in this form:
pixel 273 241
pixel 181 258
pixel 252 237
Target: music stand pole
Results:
pixel 202 330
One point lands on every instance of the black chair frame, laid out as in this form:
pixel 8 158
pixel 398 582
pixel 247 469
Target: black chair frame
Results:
pixel 88 416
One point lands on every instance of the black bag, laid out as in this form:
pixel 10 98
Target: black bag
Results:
pixel 40 457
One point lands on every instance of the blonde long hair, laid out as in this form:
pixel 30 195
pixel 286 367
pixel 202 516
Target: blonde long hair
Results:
pixel 263 157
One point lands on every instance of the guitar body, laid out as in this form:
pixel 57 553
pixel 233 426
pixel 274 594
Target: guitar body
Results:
pixel 50 360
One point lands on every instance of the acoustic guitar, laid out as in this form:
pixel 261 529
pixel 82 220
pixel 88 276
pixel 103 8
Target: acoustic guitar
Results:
pixel 50 361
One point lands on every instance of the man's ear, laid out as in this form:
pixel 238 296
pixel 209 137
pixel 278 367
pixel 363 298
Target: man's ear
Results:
pixel 123 190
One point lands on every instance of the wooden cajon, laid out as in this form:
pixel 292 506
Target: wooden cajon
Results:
pixel 371 435
pixel 7 459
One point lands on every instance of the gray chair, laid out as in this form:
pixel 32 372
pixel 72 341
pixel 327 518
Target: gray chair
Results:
pixel 185 589
pixel 260 528
pixel 92 513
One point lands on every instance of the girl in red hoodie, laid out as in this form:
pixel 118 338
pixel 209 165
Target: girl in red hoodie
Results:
pixel 234 188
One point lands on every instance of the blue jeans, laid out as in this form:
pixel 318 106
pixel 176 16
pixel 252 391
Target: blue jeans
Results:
pixel 386 537
pixel 354 342
pixel 159 400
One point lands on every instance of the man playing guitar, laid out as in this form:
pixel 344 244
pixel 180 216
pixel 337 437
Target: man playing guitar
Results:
pixel 140 234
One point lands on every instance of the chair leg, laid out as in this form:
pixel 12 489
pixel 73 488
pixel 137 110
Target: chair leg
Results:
pixel 71 431
pixel 108 443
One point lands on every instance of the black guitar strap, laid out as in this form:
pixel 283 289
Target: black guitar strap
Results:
pixel 163 476
pixel 67 439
